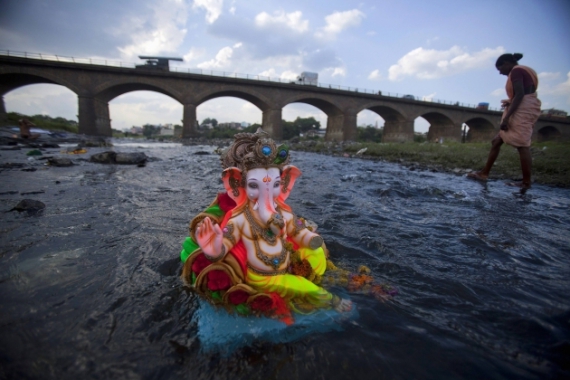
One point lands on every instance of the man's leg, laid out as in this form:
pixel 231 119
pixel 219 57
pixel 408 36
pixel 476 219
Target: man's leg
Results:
pixel 526 166
pixel 493 154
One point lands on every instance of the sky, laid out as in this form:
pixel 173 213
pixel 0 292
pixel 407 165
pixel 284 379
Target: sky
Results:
pixel 438 49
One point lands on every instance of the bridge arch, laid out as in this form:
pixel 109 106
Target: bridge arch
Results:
pixel 252 96
pixel 396 125
pixel 271 114
pixel 480 130
pixel 441 125
pixel 340 125
pixel 12 80
pixel 321 102
pixel 110 90
pixel 548 133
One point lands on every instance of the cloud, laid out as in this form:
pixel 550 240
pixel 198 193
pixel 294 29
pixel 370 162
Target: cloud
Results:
pixel 240 110
pixel 499 92
pixel 193 54
pixel 375 75
pixel 265 36
pixel 279 40
pixel 292 21
pixel 286 75
pixel 142 107
pixel 548 76
pixel 66 27
pixel 339 21
pixel 222 59
pixel 44 99
pixel 561 89
pixel 162 31
pixel 213 8
pixel 431 64
pixel 339 71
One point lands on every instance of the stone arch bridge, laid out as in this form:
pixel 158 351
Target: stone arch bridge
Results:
pixel 96 85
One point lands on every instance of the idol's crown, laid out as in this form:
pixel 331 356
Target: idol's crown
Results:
pixel 255 150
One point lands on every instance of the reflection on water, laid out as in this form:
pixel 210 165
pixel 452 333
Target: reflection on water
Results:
pixel 90 287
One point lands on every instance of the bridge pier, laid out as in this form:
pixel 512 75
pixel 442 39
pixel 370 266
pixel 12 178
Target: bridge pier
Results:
pixel 334 128
pixel 398 131
pixel 350 132
pixel 93 116
pixel 445 131
pixel 3 114
pixel 86 117
pixel 271 123
pixel 189 121
pixel 480 130
pixel 102 118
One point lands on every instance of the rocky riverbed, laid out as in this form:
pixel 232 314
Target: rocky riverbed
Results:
pixel 90 286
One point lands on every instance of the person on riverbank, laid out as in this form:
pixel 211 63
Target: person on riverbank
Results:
pixel 521 110
pixel 25 129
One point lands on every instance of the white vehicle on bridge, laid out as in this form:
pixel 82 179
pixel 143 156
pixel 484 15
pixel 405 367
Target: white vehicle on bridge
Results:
pixel 307 78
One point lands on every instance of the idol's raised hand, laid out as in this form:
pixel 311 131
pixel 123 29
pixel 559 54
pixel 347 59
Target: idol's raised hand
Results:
pixel 209 237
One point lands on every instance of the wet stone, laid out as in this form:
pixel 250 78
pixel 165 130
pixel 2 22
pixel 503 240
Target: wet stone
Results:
pixel 29 205
pixel 104 158
pixel 136 158
pixel 62 162
pixel 109 157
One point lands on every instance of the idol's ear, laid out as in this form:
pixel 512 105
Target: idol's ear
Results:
pixel 288 177
pixel 233 182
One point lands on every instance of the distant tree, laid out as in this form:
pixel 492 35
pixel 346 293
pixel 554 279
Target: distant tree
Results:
pixel 150 130
pixel 370 134
pixel 206 121
pixel 177 130
pixel 252 128
pixel 289 130
pixel 214 122
pixel 45 122
pixel 306 124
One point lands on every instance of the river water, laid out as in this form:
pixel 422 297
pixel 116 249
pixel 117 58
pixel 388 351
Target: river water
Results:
pixel 90 287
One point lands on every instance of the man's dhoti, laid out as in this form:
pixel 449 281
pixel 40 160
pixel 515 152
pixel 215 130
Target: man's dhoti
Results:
pixel 521 123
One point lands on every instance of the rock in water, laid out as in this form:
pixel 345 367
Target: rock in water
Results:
pixel 136 158
pixel 109 157
pixel 29 205
pixel 104 158
pixel 57 161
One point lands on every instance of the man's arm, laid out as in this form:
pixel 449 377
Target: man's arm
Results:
pixel 518 88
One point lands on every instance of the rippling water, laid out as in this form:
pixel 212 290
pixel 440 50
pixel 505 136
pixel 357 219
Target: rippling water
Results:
pixel 90 289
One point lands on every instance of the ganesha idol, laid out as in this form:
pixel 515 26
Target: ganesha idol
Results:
pixel 248 251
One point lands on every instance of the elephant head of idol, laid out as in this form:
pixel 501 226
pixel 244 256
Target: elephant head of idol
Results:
pixel 257 174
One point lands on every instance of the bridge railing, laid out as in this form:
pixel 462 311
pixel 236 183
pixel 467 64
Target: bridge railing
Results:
pixel 225 74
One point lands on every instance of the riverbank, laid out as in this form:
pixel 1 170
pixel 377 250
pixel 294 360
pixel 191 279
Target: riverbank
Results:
pixel 551 160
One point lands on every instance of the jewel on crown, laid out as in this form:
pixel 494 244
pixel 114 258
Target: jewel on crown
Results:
pixel 255 150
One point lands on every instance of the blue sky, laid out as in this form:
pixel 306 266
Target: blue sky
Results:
pixel 442 49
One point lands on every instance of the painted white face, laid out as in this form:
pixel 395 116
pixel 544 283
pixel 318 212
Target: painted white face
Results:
pixel 263 183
